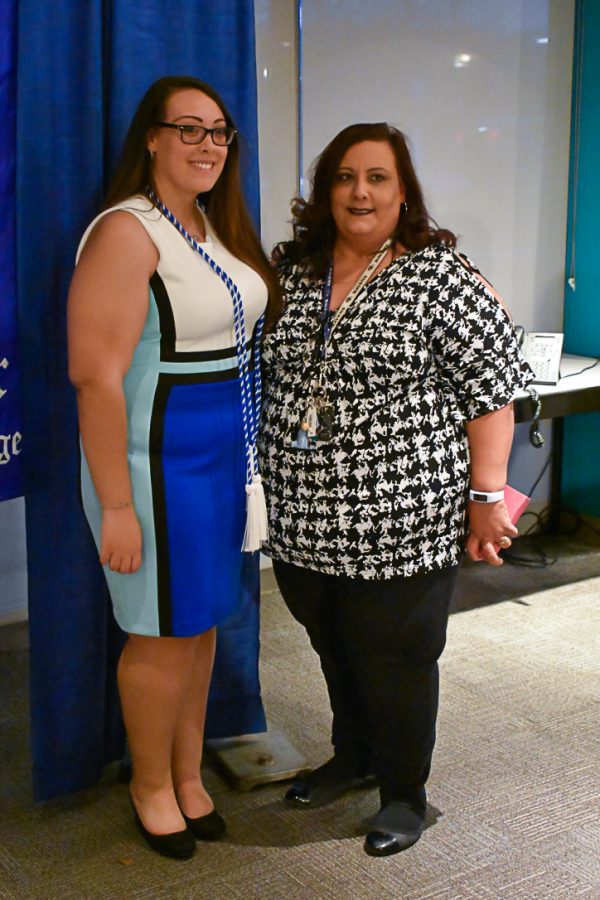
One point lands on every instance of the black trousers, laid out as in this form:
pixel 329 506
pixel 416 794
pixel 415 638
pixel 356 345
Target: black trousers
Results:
pixel 379 643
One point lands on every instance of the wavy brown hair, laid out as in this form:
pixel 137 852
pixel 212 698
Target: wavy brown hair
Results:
pixel 224 204
pixel 313 224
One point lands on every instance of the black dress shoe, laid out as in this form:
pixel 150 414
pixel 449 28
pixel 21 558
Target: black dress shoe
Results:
pixel 177 845
pixel 397 827
pixel 210 827
pixel 325 784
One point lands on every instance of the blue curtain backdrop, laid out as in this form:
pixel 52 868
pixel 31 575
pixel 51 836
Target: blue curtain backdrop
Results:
pixel 82 70
pixel 10 423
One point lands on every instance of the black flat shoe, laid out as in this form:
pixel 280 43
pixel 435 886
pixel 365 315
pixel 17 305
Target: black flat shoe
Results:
pixel 326 784
pixel 397 827
pixel 177 845
pixel 210 827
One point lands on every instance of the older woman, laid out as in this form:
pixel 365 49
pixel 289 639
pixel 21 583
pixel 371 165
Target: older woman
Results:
pixel 163 314
pixel 387 429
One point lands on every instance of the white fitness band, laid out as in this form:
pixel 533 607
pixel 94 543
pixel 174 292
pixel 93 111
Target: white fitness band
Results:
pixel 486 496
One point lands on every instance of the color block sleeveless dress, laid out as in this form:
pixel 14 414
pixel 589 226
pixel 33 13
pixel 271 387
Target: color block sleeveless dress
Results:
pixel 185 438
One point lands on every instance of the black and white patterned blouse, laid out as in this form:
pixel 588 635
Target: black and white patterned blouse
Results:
pixel 424 348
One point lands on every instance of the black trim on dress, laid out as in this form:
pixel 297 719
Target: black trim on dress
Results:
pixel 168 333
pixel 163 575
pixel 202 377
pixel 200 355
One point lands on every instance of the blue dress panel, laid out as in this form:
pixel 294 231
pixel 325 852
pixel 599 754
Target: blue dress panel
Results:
pixel 185 439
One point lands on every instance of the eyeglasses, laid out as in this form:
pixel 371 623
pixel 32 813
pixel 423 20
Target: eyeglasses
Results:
pixel 195 134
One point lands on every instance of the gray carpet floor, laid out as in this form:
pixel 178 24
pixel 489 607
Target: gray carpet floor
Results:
pixel 514 794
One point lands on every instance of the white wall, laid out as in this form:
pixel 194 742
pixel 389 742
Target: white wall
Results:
pixel 490 136
pixel 277 72
pixel 276 69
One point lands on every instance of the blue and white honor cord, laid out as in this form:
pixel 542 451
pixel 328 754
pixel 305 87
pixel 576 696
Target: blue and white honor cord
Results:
pixel 256 511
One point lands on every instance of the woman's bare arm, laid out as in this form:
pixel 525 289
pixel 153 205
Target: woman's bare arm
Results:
pixel 490 439
pixel 107 307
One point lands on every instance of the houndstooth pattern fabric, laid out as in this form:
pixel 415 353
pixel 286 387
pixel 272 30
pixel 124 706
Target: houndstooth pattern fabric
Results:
pixel 424 347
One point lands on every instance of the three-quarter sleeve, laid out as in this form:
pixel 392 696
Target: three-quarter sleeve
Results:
pixel 473 340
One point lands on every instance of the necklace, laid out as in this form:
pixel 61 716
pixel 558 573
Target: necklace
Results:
pixel 330 322
pixel 338 302
pixel 197 232
pixel 357 272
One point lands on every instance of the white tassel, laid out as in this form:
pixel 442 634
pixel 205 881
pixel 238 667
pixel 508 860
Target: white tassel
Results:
pixel 257 529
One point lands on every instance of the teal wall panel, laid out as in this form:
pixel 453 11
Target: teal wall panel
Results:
pixel 581 481
pixel 582 305
pixel 581 471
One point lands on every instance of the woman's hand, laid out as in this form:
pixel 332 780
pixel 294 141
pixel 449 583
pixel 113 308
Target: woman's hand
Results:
pixel 489 527
pixel 121 542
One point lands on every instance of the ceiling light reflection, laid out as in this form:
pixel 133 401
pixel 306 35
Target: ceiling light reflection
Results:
pixel 461 60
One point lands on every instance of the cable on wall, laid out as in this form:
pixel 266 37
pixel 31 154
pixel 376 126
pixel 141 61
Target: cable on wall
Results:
pixel 577 90
pixel 299 64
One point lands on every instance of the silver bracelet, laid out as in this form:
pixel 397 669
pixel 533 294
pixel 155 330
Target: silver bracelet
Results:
pixel 486 496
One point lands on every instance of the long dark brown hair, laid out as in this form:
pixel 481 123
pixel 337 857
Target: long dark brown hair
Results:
pixel 313 224
pixel 224 204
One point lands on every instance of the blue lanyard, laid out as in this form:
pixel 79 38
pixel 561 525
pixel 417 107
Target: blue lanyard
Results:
pixel 326 315
pixel 251 401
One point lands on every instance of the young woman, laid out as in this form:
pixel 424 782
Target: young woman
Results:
pixel 160 366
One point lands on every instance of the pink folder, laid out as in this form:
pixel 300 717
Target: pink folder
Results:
pixel 516 503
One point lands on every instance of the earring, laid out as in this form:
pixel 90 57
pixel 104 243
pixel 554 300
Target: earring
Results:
pixel 403 208
pixel 151 154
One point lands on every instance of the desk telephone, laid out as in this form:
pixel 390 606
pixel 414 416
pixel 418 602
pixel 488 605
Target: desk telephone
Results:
pixel 542 350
